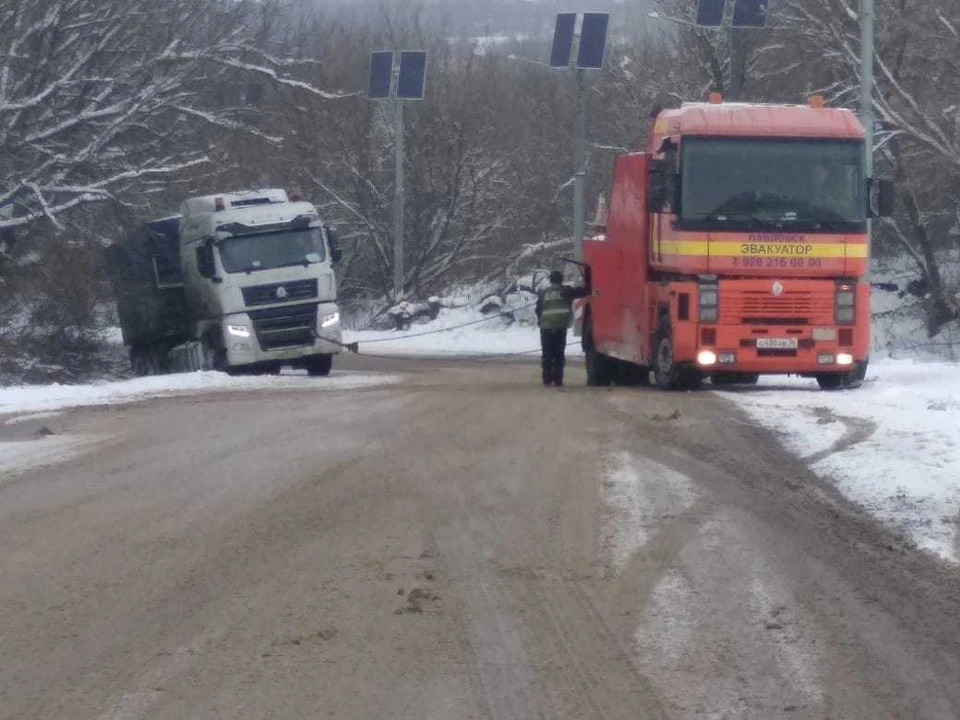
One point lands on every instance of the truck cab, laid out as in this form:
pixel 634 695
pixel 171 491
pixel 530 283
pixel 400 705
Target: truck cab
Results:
pixel 259 280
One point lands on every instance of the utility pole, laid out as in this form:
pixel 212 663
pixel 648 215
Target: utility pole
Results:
pixel 738 63
pixel 866 103
pixel 866 80
pixel 591 44
pixel 580 164
pixel 399 154
pixel 398 82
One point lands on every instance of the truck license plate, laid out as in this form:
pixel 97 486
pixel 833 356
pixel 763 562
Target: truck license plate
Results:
pixel 777 343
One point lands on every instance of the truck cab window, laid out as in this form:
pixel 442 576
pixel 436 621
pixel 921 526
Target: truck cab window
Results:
pixel 266 251
pixel 801 185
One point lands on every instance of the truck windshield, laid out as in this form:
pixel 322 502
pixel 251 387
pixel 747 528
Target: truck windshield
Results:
pixel 265 251
pixel 777 184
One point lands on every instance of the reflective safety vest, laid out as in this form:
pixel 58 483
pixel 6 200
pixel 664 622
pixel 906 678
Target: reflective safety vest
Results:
pixel 555 311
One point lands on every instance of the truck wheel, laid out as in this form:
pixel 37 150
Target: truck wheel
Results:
pixel 319 365
pixel 140 363
pixel 599 366
pixel 668 375
pixel 213 358
pixel 846 381
pixel 833 381
pixel 632 375
pixel 690 379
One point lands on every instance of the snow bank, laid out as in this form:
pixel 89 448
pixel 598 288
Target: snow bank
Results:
pixel 45 398
pixel 30 454
pixel 893 446
pixel 460 331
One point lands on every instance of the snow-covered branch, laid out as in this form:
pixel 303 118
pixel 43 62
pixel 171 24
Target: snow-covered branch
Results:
pixel 96 96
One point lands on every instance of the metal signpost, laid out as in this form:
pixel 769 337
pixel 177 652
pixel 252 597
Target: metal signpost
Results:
pixel 591 45
pixel 401 81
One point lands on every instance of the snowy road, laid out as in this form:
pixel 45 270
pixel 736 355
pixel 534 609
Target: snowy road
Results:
pixel 462 543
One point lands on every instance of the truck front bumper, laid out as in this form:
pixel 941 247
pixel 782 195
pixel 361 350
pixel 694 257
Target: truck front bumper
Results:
pixel 780 350
pixel 252 338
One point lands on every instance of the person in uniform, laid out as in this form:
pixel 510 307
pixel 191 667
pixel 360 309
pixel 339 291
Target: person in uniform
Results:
pixel 554 315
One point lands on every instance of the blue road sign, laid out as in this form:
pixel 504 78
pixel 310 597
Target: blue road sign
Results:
pixel 563 40
pixel 710 12
pixel 381 72
pixel 413 71
pixel 593 40
pixel 750 13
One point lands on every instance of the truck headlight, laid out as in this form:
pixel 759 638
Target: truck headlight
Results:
pixel 328 320
pixel 239 330
pixel 844 359
pixel 707 357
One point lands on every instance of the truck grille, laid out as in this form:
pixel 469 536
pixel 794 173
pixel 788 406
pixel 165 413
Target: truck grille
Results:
pixel 293 291
pixel 283 327
pixel 761 307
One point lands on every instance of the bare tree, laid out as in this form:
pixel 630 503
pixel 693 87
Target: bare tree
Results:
pixel 917 83
pixel 97 98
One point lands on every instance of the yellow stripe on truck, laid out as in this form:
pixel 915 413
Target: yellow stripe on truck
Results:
pixel 763 249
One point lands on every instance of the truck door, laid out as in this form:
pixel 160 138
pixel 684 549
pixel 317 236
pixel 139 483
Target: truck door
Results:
pixel 607 302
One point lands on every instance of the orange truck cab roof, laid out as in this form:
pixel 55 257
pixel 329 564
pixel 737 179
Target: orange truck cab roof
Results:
pixel 756 120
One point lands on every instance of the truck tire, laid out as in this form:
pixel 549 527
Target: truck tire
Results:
pixel 319 365
pixel 667 374
pixel 830 381
pixel 139 362
pixel 843 381
pixel 213 357
pixel 600 369
pixel 632 375
pixel 146 361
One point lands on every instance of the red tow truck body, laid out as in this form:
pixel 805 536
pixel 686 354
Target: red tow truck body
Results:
pixel 736 246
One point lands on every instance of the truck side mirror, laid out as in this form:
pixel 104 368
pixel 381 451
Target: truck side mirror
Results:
pixel 336 254
pixel 658 185
pixel 676 192
pixel 885 198
pixel 205 264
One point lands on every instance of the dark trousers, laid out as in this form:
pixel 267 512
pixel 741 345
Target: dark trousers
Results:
pixel 553 345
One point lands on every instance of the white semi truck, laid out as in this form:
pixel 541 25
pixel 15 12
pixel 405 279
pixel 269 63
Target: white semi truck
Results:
pixel 239 281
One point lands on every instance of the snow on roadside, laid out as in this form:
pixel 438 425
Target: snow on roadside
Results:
pixel 47 398
pixel 450 336
pixel 893 446
pixel 30 454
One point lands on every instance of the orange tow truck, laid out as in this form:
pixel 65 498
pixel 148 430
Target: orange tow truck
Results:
pixel 736 246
